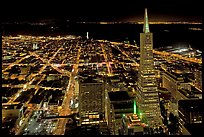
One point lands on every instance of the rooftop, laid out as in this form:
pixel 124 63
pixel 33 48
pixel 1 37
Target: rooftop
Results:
pixel 195 129
pixel 118 96
pixel 191 105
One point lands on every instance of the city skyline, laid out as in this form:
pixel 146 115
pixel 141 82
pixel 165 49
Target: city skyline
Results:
pixel 73 75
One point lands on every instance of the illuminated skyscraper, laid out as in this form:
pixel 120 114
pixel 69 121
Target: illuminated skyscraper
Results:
pixel 87 35
pixel 147 93
pixel 91 101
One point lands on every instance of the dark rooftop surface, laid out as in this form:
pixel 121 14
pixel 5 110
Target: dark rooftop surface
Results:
pixel 8 92
pixel 163 89
pixel 195 90
pixel 128 105
pixel 90 79
pixel 118 96
pixel 191 105
pixel 195 129
pixel 186 93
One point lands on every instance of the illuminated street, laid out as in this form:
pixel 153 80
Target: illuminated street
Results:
pixel 97 68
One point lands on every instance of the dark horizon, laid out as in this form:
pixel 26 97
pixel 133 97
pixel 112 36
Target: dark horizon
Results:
pixel 168 10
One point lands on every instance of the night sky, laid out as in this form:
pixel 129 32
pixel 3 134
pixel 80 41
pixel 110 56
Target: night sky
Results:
pixel 101 10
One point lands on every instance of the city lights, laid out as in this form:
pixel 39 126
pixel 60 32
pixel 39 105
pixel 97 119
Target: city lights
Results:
pixel 70 77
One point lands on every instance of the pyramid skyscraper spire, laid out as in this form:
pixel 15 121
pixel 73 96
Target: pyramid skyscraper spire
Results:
pixel 147 96
pixel 146 23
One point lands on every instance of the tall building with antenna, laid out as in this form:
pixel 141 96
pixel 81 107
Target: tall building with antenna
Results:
pixel 87 35
pixel 147 93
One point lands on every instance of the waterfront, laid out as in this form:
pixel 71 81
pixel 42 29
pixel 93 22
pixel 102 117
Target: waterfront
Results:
pixel 46 68
pixel 164 34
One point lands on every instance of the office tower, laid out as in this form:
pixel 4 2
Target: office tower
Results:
pixel 35 46
pixel 147 93
pixel 87 35
pixel 198 78
pixel 91 102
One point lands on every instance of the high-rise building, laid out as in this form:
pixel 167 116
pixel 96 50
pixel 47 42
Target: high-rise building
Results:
pixel 198 78
pixel 91 102
pixel 94 105
pixel 35 46
pixel 147 93
pixel 87 35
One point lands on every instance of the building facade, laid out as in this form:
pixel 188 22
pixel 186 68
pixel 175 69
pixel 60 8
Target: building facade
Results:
pixel 92 103
pixel 147 93
pixel 198 79
pixel 171 82
pixel 131 125
pixel 190 116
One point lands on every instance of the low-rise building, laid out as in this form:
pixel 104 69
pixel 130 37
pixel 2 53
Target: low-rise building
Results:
pixel 132 125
